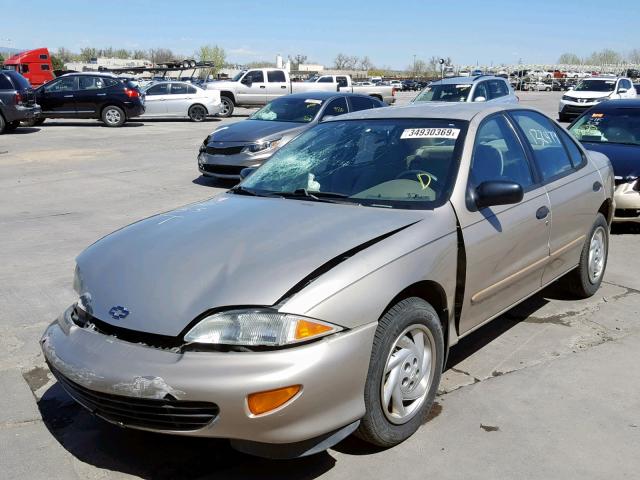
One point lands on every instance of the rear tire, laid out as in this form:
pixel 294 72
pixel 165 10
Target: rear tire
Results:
pixel 227 106
pixel 585 279
pixel 404 372
pixel 113 116
pixel 197 113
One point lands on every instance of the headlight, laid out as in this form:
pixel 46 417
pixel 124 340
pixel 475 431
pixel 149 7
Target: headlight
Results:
pixel 203 147
pixel 259 147
pixel 601 99
pixel 257 327
pixel 568 98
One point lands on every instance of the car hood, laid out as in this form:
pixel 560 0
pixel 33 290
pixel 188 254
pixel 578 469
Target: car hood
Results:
pixel 625 159
pixel 232 250
pixel 587 94
pixel 252 130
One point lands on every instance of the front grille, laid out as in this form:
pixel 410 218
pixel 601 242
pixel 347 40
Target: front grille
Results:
pixel 222 169
pixel 224 150
pixel 155 414
pixel 627 213
pixel 575 109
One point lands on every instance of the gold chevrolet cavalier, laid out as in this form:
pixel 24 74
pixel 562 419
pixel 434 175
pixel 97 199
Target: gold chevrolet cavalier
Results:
pixel 320 297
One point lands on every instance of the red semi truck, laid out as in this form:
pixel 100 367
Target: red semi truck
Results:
pixel 34 65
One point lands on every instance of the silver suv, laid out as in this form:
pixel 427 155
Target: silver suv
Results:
pixel 481 88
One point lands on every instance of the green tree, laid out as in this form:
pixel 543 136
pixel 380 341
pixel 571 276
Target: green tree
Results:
pixel 1 59
pixel 161 55
pixel 140 54
pixel 214 54
pixel 88 53
pixel 57 62
pixel 122 53
pixel 634 56
pixel 64 54
pixel 569 59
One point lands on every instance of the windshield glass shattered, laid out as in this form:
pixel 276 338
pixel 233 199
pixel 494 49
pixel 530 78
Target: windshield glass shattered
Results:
pixel 397 163
pixel 287 109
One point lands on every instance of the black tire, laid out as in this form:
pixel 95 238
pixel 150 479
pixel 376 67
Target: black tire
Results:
pixel 227 107
pixel 2 124
pixel 11 126
pixel 377 427
pixel 33 122
pixel 563 118
pixel 580 281
pixel 113 116
pixel 197 113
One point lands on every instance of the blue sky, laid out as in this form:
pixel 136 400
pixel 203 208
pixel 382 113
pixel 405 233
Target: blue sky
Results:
pixel 389 32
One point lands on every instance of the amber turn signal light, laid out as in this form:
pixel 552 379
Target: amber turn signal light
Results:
pixel 307 329
pixel 263 402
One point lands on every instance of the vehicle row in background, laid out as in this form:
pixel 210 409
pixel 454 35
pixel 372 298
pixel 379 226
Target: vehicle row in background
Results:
pixel 258 87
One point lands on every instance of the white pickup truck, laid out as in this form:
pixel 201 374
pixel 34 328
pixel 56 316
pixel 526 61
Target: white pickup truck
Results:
pixel 259 86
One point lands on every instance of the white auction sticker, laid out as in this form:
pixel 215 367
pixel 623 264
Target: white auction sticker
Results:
pixel 431 133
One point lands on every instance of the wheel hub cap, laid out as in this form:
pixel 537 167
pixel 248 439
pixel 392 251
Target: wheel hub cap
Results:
pixel 408 374
pixel 597 254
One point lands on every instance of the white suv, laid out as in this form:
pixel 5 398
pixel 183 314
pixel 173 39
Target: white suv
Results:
pixel 590 92
pixel 481 88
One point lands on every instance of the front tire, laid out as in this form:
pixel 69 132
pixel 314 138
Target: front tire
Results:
pixel 227 107
pixel 585 279
pixel 113 116
pixel 563 118
pixel 404 372
pixel 197 113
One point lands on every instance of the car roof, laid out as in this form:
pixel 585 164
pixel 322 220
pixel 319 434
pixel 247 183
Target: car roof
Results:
pixel 464 80
pixel 604 77
pixel 441 110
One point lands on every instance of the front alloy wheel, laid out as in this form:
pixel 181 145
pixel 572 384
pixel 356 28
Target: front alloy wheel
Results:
pixel 404 372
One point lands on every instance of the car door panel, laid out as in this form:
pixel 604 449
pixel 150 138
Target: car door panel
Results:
pixel 58 98
pixel 507 246
pixel 155 101
pixel 276 84
pixel 254 93
pixel 177 103
pixel 91 93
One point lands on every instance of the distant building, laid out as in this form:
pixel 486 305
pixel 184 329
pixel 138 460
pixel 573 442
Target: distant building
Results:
pixel 310 67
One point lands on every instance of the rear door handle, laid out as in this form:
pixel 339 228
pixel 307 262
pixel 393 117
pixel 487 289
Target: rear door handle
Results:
pixel 262 86
pixel 597 186
pixel 283 86
pixel 101 94
pixel 542 212
pixel 68 96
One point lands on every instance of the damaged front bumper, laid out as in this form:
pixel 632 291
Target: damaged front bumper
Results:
pixel 142 387
pixel 627 201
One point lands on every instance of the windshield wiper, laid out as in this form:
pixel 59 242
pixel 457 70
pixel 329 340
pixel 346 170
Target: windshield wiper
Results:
pixel 304 194
pixel 240 190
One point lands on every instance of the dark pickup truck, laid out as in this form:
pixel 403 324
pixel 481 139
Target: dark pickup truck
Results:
pixel 17 101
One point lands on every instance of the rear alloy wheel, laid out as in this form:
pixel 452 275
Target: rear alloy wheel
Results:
pixel 197 113
pixel 113 116
pixel 227 107
pixel 586 278
pixel 404 372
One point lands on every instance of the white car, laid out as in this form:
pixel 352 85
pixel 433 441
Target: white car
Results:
pixel 590 92
pixel 397 84
pixel 540 74
pixel 180 99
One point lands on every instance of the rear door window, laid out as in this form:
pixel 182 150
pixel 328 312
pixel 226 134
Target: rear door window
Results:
pixel 90 83
pixel 276 76
pixel 497 89
pixel 548 151
pixel 179 89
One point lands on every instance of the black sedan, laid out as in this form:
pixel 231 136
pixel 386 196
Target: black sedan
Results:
pixel 613 128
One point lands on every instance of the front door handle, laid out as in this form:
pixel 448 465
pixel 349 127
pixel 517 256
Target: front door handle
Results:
pixel 68 96
pixel 542 212
pixel 283 86
pixel 262 86
pixel 597 186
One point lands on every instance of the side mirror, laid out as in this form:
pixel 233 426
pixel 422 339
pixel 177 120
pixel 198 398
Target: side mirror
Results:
pixel 480 99
pixel 245 172
pixel 622 90
pixel 247 80
pixel 498 192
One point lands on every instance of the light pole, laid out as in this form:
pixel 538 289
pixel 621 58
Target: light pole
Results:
pixel 414 66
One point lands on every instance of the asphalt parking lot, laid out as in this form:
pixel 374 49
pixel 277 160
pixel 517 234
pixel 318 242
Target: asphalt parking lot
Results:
pixel 548 390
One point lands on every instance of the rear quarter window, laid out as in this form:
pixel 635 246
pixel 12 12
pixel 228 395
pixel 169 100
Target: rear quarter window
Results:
pixel 5 83
pixel 18 80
